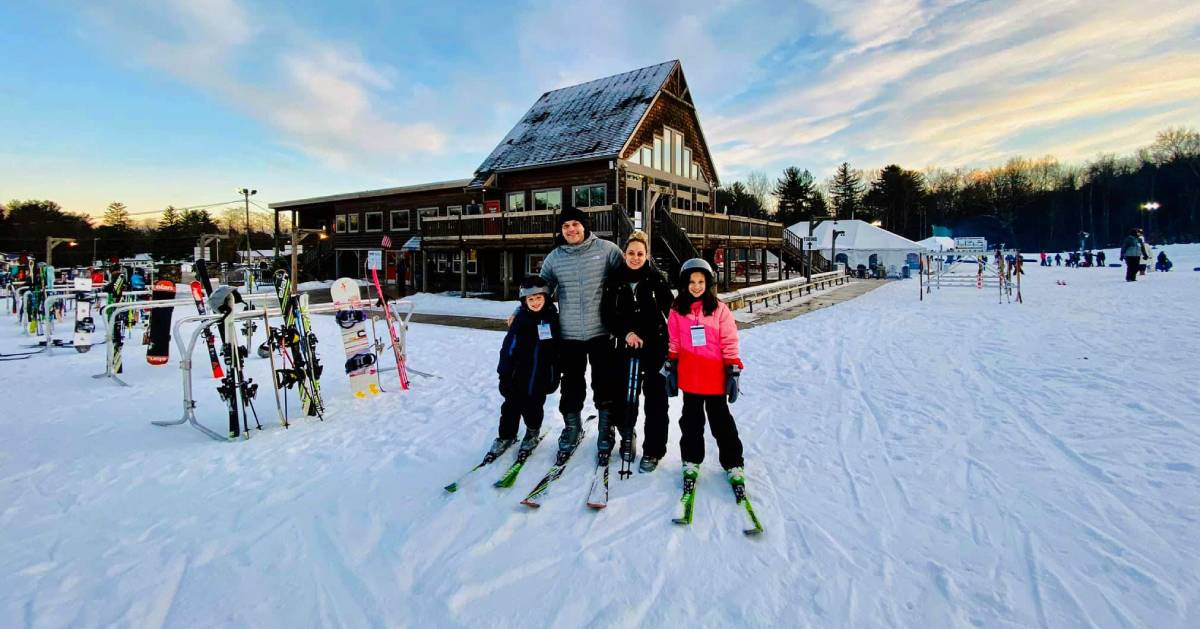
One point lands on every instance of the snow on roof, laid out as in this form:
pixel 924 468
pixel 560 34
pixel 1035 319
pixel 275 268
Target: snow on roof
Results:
pixel 585 121
pixel 937 243
pixel 860 235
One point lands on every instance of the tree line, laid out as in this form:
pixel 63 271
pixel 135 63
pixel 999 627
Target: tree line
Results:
pixel 1033 204
pixel 25 225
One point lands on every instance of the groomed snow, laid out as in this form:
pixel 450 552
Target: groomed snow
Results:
pixel 1046 474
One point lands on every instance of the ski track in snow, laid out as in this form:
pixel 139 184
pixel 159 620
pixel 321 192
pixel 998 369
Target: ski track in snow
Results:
pixel 951 462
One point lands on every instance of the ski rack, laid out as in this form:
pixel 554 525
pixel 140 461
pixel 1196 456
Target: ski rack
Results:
pixel 25 295
pixel 109 312
pixel 403 332
pixel 185 357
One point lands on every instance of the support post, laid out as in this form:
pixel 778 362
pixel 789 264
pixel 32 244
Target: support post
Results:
pixel 462 272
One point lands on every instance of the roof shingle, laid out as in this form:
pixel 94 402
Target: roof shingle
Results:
pixel 585 121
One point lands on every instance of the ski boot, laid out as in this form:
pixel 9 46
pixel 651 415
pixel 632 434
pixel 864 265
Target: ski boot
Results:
pixel 572 432
pixel 648 464
pixel 499 446
pixel 531 440
pixel 607 437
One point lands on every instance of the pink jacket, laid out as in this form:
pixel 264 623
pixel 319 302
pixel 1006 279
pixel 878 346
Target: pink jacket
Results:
pixel 702 369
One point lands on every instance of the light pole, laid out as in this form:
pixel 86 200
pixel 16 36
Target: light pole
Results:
pixel 246 194
pixel 52 242
pixel 94 249
pixel 833 247
pixel 1147 208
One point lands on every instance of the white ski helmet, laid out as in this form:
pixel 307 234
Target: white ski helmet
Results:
pixel 696 264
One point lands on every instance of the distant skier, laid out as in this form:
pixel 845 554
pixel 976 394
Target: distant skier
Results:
pixel 528 367
pixel 1133 249
pixel 703 362
pixel 1058 259
pixel 637 298
pixel 1087 258
pixel 1100 258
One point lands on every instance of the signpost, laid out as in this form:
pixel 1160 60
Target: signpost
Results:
pixel 971 245
pixel 375 259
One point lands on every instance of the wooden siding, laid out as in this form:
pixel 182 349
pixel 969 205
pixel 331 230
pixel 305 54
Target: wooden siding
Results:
pixel 671 112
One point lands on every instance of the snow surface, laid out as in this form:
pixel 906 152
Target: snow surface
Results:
pixel 1046 474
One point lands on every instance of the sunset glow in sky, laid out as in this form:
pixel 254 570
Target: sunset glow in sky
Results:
pixel 185 101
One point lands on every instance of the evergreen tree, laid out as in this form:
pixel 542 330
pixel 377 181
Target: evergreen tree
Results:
pixel 846 190
pixel 798 197
pixel 116 216
pixel 895 199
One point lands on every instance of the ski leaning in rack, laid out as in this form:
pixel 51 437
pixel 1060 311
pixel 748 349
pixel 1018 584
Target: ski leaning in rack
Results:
pixel 539 492
pixel 297 347
pixel 84 324
pixel 398 347
pixel 198 296
pixel 236 390
pixel 159 328
pixel 116 294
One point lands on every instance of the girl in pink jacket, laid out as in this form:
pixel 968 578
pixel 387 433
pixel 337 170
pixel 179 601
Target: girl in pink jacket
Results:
pixel 703 362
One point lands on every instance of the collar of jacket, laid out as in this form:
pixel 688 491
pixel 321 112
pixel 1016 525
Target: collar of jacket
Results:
pixel 588 240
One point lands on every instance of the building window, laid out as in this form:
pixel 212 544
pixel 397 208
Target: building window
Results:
pixel 533 263
pixel 591 196
pixel 424 213
pixel 695 170
pixel 374 222
pixel 472 262
pixel 339 226
pixel 352 223
pixel 456 265
pixel 399 220
pixel 441 263
pixel 685 167
pixel 454 210
pixel 647 156
pixel 658 154
pixel 516 201
pixel 636 158
pixel 676 153
pixel 547 199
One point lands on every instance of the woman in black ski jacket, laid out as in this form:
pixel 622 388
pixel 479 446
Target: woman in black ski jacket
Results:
pixel 636 300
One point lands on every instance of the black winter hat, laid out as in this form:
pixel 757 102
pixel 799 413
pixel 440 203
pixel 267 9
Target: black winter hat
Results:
pixel 572 214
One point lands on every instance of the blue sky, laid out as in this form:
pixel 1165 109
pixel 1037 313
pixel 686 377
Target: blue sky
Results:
pixel 180 102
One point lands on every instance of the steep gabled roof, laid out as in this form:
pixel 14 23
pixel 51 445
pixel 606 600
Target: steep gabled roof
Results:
pixel 587 121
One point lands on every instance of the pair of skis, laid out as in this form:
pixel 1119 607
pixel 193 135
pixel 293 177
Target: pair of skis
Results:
pixel 737 483
pixel 509 477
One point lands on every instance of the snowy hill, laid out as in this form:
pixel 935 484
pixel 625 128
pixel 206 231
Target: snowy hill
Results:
pixel 946 462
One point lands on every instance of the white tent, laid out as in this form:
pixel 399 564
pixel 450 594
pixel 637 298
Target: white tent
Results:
pixel 863 244
pixel 937 243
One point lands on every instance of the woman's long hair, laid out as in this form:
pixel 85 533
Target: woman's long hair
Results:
pixel 684 300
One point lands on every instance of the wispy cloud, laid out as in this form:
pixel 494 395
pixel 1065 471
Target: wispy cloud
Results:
pixel 959 84
pixel 321 95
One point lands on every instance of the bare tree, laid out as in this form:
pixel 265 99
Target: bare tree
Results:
pixel 760 187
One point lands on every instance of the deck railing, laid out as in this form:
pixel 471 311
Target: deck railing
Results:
pixel 699 226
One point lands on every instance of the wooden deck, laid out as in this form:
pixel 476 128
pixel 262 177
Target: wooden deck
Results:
pixel 538 228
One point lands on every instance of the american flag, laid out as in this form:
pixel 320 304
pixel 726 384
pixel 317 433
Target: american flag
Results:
pixel 387 242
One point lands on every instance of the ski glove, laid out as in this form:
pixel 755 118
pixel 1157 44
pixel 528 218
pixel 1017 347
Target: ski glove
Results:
pixel 670 373
pixel 733 374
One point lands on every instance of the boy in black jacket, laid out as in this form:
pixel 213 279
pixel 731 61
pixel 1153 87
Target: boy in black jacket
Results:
pixel 528 366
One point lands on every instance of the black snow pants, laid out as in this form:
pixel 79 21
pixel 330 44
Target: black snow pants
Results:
pixel 517 405
pixel 573 359
pixel 720 422
pixel 1132 265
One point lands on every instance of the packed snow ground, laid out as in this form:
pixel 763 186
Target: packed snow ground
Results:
pixel 930 463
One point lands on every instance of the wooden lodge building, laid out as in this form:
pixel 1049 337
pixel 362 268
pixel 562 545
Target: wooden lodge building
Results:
pixel 626 149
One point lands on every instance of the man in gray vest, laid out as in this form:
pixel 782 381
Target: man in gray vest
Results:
pixel 575 271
